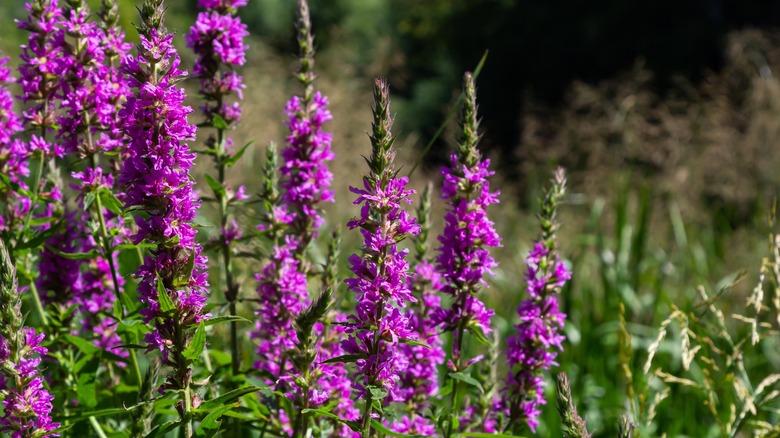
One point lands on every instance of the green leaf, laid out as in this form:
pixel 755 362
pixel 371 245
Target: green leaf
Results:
pixel 381 428
pixel 134 246
pixel 446 389
pixel 197 344
pixel 347 358
pixel 98 413
pixel 42 220
pixel 216 187
pixel 90 349
pixel 228 318
pixel 166 305
pixel 133 346
pixel 484 435
pixel 352 424
pixel 218 122
pixel 160 431
pixel 465 378
pixel 60 429
pixel 377 393
pixel 226 398
pixel 211 423
pixel 233 159
pixel 89 198
pixel 416 343
pixel 479 335
pixel 39 238
pixel 110 201
pixel 86 388
pixel 118 309
pixel 4 180
pixel 74 255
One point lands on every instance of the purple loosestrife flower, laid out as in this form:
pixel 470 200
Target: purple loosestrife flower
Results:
pixel 9 120
pixel 27 404
pixel 217 38
pixel 380 273
pixel 40 71
pixel 92 88
pixel 43 64
pixel 464 258
pixel 417 364
pixel 306 177
pixel 156 180
pixel 537 339
pixel 282 293
pixel 14 153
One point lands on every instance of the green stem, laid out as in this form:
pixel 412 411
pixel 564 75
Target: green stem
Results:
pixel 187 418
pixel 456 354
pixel 366 426
pixel 109 252
pixel 96 426
pixel 134 366
pixel 38 305
pixel 34 200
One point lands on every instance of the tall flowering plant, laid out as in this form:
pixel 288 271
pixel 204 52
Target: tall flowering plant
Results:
pixel 464 258
pixel 418 363
pixel 380 281
pixel 217 38
pixel 156 181
pixel 295 334
pixel 532 349
pixel 116 126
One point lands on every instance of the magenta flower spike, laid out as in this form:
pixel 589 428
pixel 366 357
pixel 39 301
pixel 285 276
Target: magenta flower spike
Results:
pixel 464 258
pixel 27 404
pixel 380 280
pixel 155 177
pixel 42 67
pixel 538 338
pixel 217 39
pixel 14 154
pixel 417 365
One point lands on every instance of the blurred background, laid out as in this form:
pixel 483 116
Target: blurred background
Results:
pixel 666 115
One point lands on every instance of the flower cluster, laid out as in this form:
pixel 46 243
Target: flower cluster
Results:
pixel 92 88
pixel 293 343
pixel 156 181
pixel 43 64
pixel 91 91
pixel 464 257
pixel 418 364
pixel 282 294
pixel 307 178
pixel 13 152
pixel 217 38
pixel 27 404
pixel 380 275
pixel 9 124
pixel 537 339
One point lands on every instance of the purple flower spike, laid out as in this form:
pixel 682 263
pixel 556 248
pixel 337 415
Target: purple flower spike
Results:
pixel 282 294
pixel 538 338
pixel 27 404
pixel 43 63
pixel 14 153
pixel 217 38
pixel 9 120
pixel 380 275
pixel 156 179
pixel 464 257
